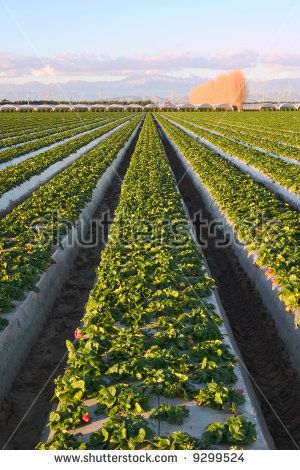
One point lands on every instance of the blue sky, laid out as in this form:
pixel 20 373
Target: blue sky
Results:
pixel 87 39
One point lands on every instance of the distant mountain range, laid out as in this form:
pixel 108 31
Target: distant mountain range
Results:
pixel 283 89
pixel 157 88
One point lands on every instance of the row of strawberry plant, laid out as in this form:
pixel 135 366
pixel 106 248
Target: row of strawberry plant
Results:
pixel 281 124
pixel 14 152
pixel 284 173
pixel 148 332
pixel 255 137
pixel 55 129
pixel 257 129
pixel 13 124
pixel 25 251
pixel 264 142
pixel 19 130
pixel 14 175
pixel 268 228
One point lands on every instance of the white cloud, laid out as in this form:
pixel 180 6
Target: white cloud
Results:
pixel 45 71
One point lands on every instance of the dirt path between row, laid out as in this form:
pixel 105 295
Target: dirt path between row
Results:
pixel 254 330
pixel 49 349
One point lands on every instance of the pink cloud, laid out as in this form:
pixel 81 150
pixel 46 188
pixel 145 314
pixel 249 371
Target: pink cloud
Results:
pixel 289 60
pixel 79 64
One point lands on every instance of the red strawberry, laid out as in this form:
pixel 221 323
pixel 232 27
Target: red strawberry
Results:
pixel 269 271
pixel 86 418
pixel 239 390
pixel 78 333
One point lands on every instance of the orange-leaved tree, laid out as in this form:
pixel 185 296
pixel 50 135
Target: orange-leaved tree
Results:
pixel 229 88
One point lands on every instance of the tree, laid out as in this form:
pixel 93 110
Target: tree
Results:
pixel 230 88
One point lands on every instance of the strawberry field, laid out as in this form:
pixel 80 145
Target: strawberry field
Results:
pixel 184 326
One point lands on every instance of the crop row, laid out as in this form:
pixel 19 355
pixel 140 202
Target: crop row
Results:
pixel 39 133
pixel 14 175
pixel 31 231
pixel 282 172
pixel 254 136
pixel 262 141
pixel 269 229
pixel 14 124
pixel 28 147
pixel 150 341
pixel 275 123
pixel 277 136
pixel 247 127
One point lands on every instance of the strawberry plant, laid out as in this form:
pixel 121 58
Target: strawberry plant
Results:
pixel 167 382
pixel 236 430
pixel 176 441
pixel 22 171
pixel 121 399
pixel 283 172
pixel 25 252
pixel 219 396
pixel 266 140
pixel 147 333
pixel 62 441
pixel 244 202
pixel 171 414
pixel 67 416
pixel 122 433
pixel 13 152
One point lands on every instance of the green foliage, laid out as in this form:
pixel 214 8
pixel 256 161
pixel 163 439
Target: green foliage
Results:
pixel 25 247
pixel 234 142
pixel 62 441
pixel 236 430
pixel 269 228
pixel 171 414
pixel 176 441
pixel 16 174
pixel 148 329
pixel 121 398
pixel 67 416
pixel 3 323
pixel 27 147
pixel 219 396
pixel 122 433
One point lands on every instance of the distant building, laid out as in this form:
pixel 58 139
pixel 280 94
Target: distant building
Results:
pixel 268 107
pixel 223 107
pixel 8 108
pixel 288 107
pixel 168 106
pixel 186 107
pixel 204 107
pixel 98 107
pixel 44 107
pixel 80 107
